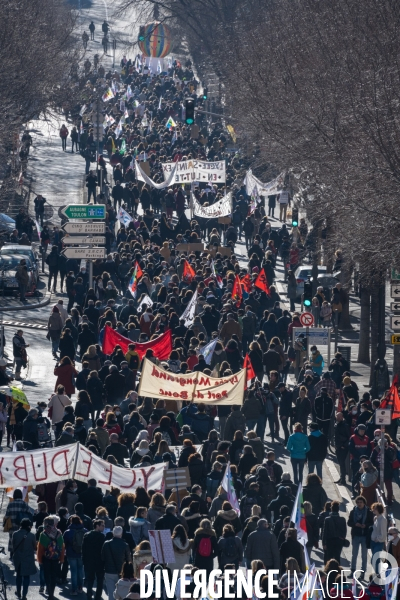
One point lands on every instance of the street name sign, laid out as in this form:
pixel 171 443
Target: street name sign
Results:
pixel 99 228
pixel 70 240
pixel 86 211
pixel 85 253
pixel 395 291
pixel 395 322
pixel 395 306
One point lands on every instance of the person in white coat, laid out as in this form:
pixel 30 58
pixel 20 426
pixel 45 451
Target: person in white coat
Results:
pixel 182 548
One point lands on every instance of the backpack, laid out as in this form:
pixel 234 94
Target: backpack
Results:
pixel 43 432
pixel 52 551
pixel 212 486
pixel 134 362
pixel 248 504
pixel 77 540
pixel 230 549
pixel 205 547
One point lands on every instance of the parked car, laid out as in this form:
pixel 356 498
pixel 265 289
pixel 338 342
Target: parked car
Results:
pixel 7 224
pixel 24 252
pixel 303 273
pixel 8 267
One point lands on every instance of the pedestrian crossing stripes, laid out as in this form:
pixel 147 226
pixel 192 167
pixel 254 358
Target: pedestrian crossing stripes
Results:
pixel 27 325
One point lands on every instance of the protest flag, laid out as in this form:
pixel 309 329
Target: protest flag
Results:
pixel 237 292
pixel 188 272
pixel 250 373
pixel 208 350
pixel 391 583
pixel 227 485
pixel 217 277
pixel 298 517
pixel 108 95
pixel 161 345
pixel 392 400
pixel 136 275
pixel 190 311
pixel 246 283
pixel 159 104
pixel 170 123
pixel 262 283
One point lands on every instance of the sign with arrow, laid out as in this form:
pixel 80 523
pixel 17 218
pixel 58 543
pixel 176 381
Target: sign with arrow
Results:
pixel 395 306
pixel 395 291
pixel 88 228
pixel 84 253
pixel 395 322
pixel 87 211
pixel 84 240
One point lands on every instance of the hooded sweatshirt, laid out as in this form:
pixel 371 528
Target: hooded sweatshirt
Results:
pixel 318 446
pixel 298 445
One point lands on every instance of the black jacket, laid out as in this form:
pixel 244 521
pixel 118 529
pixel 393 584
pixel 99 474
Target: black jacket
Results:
pixel 91 550
pixel 118 450
pixel 323 407
pixel 334 528
pixel 318 446
pixel 30 432
pixel 114 553
pixel 91 499
pixel 368 521
pixel 342 435
pixel 168 521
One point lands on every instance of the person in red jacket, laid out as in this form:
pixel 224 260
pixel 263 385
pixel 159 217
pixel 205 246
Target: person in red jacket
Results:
pixel 359 445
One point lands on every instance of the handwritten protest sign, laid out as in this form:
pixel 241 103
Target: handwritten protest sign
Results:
pixel 196 170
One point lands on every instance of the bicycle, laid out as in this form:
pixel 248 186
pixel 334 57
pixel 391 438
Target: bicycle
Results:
pixel 3 582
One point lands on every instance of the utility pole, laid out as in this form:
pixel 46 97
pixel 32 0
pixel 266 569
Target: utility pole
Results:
pixel 114 47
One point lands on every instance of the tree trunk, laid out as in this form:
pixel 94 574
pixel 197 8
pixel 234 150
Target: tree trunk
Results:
pixel 365 323
pixel 374 327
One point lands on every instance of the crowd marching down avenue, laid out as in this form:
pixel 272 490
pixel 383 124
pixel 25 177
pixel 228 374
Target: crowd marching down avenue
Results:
pixel 198 406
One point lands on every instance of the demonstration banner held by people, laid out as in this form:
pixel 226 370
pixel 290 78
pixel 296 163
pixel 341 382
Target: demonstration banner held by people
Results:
pixel 222 208
pixel 161 346
pixel 263 189
pixel 73 462
pixel 141 176
pixel 195 170
pixel 155 382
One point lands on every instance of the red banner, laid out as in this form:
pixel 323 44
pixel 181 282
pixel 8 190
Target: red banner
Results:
pixel 161 346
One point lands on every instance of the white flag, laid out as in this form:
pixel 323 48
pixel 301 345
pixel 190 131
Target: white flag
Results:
pixel 82 111
pixel 124 217
pixel 208 350
pixel 190 311
pixel 145 303
pixel 159 104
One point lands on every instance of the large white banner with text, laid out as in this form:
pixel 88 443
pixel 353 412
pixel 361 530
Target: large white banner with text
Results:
pixel 196 170
pixel 222 208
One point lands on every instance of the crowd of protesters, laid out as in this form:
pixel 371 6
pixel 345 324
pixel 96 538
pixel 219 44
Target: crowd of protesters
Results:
pixel 85 537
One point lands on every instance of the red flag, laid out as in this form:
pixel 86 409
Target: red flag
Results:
pixel 250 373
pixel 247 283
pixel 262 283
pixel 392 400
pixel 161 346
pixel 188 273
pixel 237 292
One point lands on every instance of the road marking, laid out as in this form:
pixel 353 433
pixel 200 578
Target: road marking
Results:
pixel 26 325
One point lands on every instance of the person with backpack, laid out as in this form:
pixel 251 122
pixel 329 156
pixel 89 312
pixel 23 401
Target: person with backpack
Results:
pixel 230 549
pixel 205 546
pixel 250 499
pixel 214 479
pixel 202 423
pixel 224 516
pixel 114 554
pixel 91 557
pixel 16 511
pixel 139 525
pixel 24 548
pixel 73 539
pixel 50 554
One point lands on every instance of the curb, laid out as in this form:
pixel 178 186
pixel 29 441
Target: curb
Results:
pixel 44 302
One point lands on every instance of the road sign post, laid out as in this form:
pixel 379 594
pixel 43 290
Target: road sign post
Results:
pixel 97 228
pixel 86 211
pixel 307 319
pixel 84 240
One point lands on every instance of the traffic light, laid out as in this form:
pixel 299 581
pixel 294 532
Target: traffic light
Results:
pixel 189 107
pixel 205 93
pixel 307 295
pixel 295 217
pixel 141 33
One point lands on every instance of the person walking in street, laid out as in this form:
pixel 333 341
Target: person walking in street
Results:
pixel 93 564
pixel 113 554
pixel 74 139
pixel 52 262
pixel 360 520
pixel 54 327
pixel 63 135
pixel 85 39
pixel 342 438
pixel 298 446
pixel 39 203
pixel 50 554
pixel 334 534
pixel 91 184
pixel 92 28
pixel 318 449
pixel 73 539
pixel 379 533
pixel 19 352
pixel 24 549
pixel 22 277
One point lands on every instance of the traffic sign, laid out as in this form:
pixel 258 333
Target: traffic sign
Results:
pixel 395 290
pixel 306 319
pixel 70 240
pixel 395 340
pixel 85 253
pixel 383 416
pixel 86 211
pixel 395 306
pixel 395 322
pixel 99 228
pixel 395 274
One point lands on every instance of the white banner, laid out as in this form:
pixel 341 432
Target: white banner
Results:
pixel 124 217
pixel 196 170
pixel 263 189
pixel 177 450
pixel 141 176
pixel 57 464
pixel 222 208
pixel 189 312
pixel 146 301
pixel 155 382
